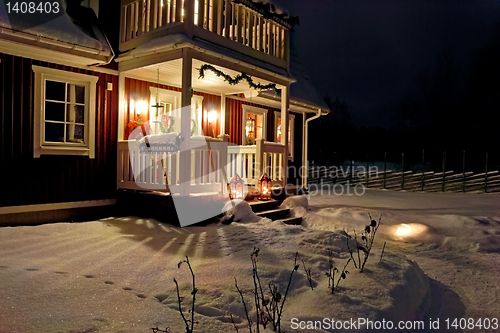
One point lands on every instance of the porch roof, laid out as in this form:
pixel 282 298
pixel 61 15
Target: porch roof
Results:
pixel 177 41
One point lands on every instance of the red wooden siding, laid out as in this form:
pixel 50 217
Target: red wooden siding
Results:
pixel 139 90
pixel 234 128
pixel 52 178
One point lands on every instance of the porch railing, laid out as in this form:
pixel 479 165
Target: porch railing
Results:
pixel 250 162
pixel 234 21
pixel 161 171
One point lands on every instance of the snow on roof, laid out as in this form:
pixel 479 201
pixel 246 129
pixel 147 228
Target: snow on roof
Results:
pixel 168 42
pixel 64 30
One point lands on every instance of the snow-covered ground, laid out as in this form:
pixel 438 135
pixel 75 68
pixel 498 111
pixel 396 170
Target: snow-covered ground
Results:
pixel 441 261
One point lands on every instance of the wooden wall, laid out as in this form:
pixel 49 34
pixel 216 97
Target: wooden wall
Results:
pixel 139 90
pixel 49 179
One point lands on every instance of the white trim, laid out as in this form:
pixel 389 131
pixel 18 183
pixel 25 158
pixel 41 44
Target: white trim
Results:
pixel 90 81
pixel 253 109
pixel 56 206
pixel 291 126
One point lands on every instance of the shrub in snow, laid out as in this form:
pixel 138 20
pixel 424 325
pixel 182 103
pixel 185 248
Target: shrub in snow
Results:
pixel 367 238
pixel 268 308
pixel 188 322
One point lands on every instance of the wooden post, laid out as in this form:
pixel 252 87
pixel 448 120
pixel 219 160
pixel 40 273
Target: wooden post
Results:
pixel 259 158
pixel 402 171
pixel 350 170
pixel 385 167
pixel 463 169
pixel 188 18
pixel 423 169
pixel 444 171
pixel 486 175
pixel 185 146
pixel 367 173
pixel 285 123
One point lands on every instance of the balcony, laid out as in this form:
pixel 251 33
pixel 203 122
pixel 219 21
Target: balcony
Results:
pixel 235 25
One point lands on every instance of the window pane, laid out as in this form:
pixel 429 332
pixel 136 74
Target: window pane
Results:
pixel 55 90
pixel 76 94
pixel 75 113
pixel 54 111
pixel 54 132
pixel 74 133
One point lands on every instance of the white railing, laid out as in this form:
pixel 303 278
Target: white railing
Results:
pixel 161 171
pixel 225 18
pixel 250 162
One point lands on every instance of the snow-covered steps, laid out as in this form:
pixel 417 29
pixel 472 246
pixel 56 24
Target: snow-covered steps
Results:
pixel 275 214
pixel 292 220
pixel 260 206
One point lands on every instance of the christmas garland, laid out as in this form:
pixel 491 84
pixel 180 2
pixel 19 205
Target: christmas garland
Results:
pixel 237 79
pixel 194 127
pixel 268 10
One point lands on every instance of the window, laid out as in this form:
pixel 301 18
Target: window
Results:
pixel 64 113
pixel 291 126
pixel 171 102
pixel 254 124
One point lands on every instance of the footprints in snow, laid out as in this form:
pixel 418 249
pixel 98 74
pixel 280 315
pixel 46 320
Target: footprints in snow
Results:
pixel 159 297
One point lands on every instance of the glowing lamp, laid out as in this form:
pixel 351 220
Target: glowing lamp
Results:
pixel 265 187
pixel 212 116
pixel 236 187
pixel 141 106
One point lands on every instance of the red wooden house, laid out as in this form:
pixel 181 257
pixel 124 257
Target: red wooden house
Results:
pixel 72 91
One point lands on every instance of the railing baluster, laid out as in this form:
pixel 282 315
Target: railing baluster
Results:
pixel 201 12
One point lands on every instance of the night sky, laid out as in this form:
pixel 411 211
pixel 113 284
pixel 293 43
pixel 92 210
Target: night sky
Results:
pixel 370 52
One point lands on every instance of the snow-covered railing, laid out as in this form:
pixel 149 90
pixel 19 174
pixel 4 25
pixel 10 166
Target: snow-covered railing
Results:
pixel 161 171
pixel 250 162
pixel 234 21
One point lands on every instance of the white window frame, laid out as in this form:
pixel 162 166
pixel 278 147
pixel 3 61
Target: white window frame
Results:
pixel 256 110
pixel 291 126
pixel 174 98
pixel 59 148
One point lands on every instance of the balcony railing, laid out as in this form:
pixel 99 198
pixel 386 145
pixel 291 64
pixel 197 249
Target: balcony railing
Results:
pixel 225 18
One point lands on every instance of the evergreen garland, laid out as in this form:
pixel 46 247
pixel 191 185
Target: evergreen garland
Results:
pixel 237 79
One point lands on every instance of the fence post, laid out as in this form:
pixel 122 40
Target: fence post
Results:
pixel 367 174
pixel 486 175
pixel 444 170
pixel 463 169
pixel 350 171
pixel 385 167
pixel 423 169
pixel 402 171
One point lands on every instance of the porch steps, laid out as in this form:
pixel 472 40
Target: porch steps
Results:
pixel 293 220
pixel 275 214
pixel 260 206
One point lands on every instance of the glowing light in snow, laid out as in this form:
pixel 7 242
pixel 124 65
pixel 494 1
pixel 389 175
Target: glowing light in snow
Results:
pixel 404 230
pixel 407 230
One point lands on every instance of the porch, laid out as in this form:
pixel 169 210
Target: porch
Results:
pixel 170 97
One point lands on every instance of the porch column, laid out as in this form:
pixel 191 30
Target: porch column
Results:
pixel 185 146
pixel 285 104
pixel 222 114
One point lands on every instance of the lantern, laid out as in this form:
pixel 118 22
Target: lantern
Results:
pixel 236 187
pixel 265 187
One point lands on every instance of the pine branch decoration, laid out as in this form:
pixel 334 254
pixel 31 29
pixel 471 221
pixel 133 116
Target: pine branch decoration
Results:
pixel 233 81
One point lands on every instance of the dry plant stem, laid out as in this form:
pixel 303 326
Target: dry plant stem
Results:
pixel 156 330
pixel 256 290
pixel 234 324
pixel 180 308
pixel 244 305
pixel 382 254
pixel 308 274
pixel 280 312
pixel 187 322
pixel 347 237
pixel 369 242
pixel 357 248
pixel 343 272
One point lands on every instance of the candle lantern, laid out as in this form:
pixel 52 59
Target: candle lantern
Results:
pixel 265 187
pixel 236 187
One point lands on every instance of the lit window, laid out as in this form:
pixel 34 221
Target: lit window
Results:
pixel 64 112
pixel 291 126
pixel 254 124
